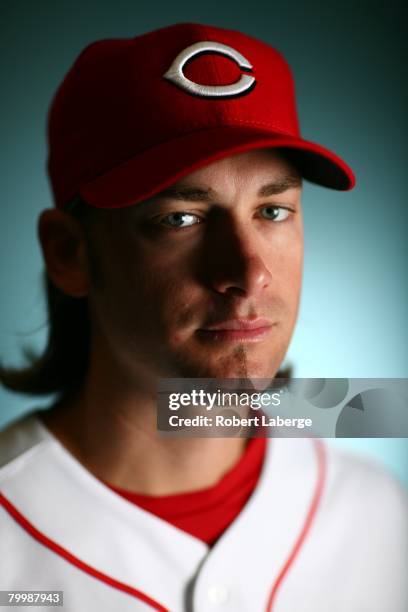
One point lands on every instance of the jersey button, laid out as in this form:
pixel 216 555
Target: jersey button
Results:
pixel 218 594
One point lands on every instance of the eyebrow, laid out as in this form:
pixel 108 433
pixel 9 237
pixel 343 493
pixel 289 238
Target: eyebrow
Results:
pixel 191 193
pixel 279 186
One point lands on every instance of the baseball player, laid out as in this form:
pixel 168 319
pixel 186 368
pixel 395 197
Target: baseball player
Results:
pixel 175 250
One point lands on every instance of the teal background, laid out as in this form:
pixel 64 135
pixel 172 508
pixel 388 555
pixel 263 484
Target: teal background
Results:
pixel 349 64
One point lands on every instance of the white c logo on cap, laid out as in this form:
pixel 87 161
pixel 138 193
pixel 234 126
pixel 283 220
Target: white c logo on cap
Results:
pixel 175 72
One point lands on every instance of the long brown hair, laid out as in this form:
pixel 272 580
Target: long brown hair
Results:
pixel 62 366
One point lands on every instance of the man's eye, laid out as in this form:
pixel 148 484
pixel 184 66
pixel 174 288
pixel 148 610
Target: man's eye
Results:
pixel 179 220
pixel 275 213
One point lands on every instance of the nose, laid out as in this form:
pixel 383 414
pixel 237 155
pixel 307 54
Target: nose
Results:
pixel 235 260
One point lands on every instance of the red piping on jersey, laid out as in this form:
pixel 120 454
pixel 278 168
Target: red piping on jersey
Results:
pixel 321 477
pixel 62 552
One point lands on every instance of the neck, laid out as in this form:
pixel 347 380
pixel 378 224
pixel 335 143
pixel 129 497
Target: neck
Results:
pixel 110 427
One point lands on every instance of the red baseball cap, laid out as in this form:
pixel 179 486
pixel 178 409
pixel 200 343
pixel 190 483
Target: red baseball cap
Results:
pixel 132 116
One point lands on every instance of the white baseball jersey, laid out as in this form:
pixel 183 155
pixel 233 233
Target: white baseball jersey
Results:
pixel 323 531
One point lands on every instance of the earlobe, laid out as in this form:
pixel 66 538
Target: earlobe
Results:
pixel 63 245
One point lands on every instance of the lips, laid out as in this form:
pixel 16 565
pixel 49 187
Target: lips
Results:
pixel 238 324
pixel 251 330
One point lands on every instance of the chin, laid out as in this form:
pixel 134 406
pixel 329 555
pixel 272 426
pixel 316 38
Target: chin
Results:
pixel 238 363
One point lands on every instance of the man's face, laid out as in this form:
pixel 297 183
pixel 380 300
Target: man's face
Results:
pixel 182 276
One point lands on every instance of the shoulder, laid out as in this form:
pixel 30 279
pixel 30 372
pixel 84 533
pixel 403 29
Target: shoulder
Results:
pixel 364 481
pixel 358 502
pixel 360 531
pixel 18 438
pixel 367 508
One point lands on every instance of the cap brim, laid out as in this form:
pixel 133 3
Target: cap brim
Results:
pixel 148 173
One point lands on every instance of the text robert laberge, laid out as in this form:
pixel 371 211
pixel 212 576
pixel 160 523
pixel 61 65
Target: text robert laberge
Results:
pixel 236 421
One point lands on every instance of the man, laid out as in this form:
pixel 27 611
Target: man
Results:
pixel 175 250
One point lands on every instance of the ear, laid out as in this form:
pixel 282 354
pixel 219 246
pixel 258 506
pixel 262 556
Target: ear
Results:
pixel 63 245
